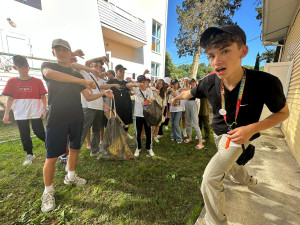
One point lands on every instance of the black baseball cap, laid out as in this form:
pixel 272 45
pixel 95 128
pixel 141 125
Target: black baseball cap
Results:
pixel 20 61
pixel 192 80
pixel 120 67
pixel 141 78
pixel 174 81
pixel 230 29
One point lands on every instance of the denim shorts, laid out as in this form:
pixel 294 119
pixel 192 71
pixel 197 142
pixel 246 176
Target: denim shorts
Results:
pixel 57 137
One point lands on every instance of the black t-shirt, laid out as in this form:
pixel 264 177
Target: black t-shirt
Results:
pixel 260 88
pixel 64 99
pixel 123 100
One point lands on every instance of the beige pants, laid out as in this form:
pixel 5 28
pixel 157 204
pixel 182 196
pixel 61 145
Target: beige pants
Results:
pixel 212 187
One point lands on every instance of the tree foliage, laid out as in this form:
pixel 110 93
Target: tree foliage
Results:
pixel 169 66
pixel 184 70
pixel 268 56
pixel 196 15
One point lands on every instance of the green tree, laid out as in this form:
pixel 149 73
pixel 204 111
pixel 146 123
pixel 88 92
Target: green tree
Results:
pixel 169 66
pixel 194 17
pixel 256 67
pixel 268 56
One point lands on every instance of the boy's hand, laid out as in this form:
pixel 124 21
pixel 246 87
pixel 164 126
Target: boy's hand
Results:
pixel 43 116
pixel 106 108
pixel 109 93
pixel 240 135
pixel 146 72
pixel 170 89
pixel 89 84
pixel 105 59
pixel 117 86
pixel 174 101
pixel 79 53
pixel 6 119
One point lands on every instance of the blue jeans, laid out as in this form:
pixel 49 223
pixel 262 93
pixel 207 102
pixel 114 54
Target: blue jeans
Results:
pixel 176 132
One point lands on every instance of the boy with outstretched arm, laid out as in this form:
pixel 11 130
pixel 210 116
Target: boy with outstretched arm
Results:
pixel 237 96
pixel 64 116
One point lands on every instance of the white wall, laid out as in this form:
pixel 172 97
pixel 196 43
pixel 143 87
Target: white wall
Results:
pixel 72 20
pixel 147 11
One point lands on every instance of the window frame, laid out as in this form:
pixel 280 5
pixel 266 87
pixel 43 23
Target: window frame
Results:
pixel 156 66
pixel 156 38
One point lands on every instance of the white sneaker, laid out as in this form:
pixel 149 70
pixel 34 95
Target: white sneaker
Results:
pixel 137 152
pixel 196 138
pixel 184 133
pixel 233 180
pixel 67 167
pixel 28 160
pixel 77 180
pixel 151 153
pixel 160 136
pixel 129 136
pixel 253 181
pixel 48 202
pixel 156 139
pixel 167 128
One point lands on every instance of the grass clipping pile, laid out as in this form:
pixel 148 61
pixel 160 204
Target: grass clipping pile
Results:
pixel 114 145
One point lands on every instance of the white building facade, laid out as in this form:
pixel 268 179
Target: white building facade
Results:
pixel 130 32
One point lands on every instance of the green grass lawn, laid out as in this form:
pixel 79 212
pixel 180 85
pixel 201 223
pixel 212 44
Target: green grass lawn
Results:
pixel 159 190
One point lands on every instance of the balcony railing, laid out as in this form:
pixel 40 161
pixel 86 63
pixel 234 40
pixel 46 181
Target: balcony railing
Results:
pixel 119 20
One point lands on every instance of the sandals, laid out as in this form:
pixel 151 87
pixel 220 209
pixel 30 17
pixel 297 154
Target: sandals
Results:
pixel 187 140
pixel 198 146
pixel 63 159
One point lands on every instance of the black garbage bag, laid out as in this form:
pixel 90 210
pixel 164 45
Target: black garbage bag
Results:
pixel 114 145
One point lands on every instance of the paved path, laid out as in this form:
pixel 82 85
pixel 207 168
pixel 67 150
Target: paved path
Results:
pixel 276 198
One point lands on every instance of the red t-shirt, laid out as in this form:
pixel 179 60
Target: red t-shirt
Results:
pixel 27 102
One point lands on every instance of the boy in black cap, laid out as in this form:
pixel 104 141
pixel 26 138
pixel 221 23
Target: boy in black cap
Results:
pixel 122 97
pixel 237 96
pixel 26 98
pixel 64 117
pixel 143 95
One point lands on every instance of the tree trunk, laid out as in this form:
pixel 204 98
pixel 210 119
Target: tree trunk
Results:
pixel 195 64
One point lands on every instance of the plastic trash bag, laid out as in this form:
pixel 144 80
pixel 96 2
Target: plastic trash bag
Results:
pixel 114 145
pixel 152 113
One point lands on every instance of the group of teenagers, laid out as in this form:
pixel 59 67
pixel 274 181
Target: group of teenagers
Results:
pixel 236 94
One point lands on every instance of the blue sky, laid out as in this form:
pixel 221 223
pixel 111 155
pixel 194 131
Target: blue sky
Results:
pixel 245 18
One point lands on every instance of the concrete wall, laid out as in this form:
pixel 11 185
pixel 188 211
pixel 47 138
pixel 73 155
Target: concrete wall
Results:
pixel 143 56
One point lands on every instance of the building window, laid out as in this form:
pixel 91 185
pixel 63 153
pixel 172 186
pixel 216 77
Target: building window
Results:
pixel 156 30
pixel 33 3
pixel 155 70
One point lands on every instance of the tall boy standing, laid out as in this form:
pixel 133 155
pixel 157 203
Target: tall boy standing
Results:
pixel 26 98
pixel 237 96
pixel 64 117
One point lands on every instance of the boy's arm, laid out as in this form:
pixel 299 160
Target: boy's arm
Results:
pixel 78 67
pixel 133 84
pixel 44 100
pixel 182 96
pixel 241 135
pixel 106 86
pixel 90 97
pixel 63 77
pixel 7 109
pixel 90 61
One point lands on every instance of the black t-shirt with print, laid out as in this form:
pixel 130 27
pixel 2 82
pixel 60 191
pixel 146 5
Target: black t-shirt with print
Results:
pixel 260 88
pixel 123 100
pixel 64 99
